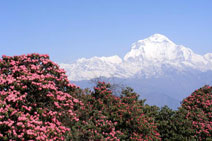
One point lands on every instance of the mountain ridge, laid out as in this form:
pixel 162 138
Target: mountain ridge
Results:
pixel 146 56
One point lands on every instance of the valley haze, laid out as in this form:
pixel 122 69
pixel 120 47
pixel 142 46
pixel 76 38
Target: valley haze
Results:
pixel 159 70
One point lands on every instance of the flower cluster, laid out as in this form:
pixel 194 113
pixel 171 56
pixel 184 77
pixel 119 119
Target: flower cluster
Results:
pixel 114 118
pixel 35 98
pixel 199 111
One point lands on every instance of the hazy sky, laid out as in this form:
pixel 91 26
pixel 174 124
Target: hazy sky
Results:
pixel 71 29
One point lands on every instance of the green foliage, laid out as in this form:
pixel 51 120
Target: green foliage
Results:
pixel 114 118
pixel 192 121
pixel 172 125
pixel 133 118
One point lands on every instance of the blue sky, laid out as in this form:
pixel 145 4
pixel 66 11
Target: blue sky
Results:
pixel 71 29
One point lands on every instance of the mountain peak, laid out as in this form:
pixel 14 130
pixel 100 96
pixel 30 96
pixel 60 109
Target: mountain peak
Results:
pixel 154 47
pixel 157 38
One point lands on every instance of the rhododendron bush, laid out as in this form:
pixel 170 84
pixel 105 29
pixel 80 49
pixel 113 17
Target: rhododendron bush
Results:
pixel 115 118
pixel 36 99
pixel 199 111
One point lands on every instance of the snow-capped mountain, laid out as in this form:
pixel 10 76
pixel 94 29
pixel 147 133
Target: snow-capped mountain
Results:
pixel 159 70
pixel 146 58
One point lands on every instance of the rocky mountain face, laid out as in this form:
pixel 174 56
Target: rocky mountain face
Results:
pixel 161 71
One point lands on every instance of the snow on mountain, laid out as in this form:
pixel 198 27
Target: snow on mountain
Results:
pixel 86 69
pixel 146 58
pixel 208 57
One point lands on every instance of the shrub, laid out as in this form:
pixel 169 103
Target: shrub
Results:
pixel 37 102
pixel 115 118
pixel 198 107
